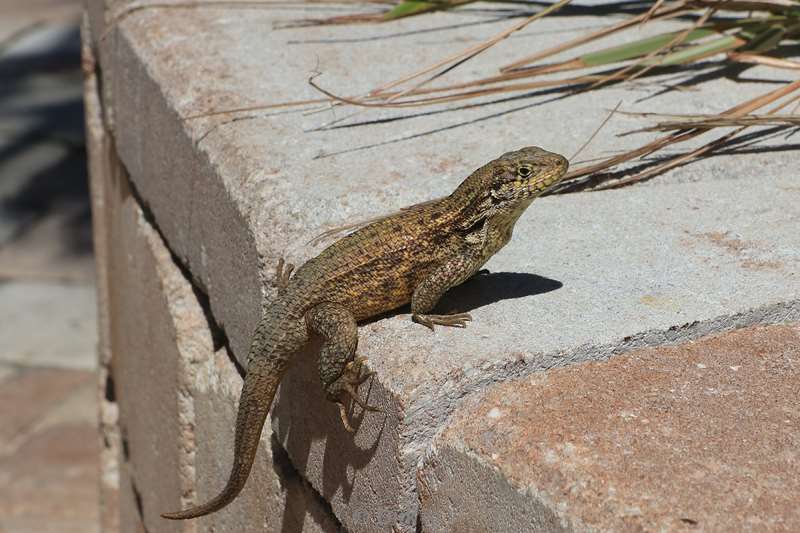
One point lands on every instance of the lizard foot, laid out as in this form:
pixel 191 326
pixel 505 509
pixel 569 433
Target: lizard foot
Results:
pixel 283 273
pixel 347 386
pixel 458 320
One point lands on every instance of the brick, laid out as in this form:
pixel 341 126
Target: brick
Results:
pixel 698 436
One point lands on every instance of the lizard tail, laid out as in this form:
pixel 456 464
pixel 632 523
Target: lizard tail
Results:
pixel 260 385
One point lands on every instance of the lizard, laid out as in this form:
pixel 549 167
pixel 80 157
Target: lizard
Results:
pixel 414 255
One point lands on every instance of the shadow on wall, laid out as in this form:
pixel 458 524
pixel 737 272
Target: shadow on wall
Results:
pixel 43 174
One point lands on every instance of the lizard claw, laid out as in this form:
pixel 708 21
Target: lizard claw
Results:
pixel 347 386
pixel 458 320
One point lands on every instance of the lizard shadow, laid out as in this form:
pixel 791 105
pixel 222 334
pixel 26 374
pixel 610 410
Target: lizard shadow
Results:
pixel 486 288
pixel 309 428
pixel 482 289
pixel 309 425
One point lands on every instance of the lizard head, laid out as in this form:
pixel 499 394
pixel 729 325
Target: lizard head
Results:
pixel 506 186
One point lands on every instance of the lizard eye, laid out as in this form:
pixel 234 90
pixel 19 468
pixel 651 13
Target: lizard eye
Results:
pixel 524 171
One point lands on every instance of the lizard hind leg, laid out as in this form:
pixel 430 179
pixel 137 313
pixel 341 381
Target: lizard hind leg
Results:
pixel 340 371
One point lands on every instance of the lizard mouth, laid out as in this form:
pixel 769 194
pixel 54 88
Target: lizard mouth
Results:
pixel 551 177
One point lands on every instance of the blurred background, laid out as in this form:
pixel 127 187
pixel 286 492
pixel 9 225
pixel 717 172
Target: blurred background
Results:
pixel 48 442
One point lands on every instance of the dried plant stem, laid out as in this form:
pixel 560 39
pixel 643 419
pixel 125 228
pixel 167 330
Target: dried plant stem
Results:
pixel 679 37
pixel 596 131
pixel 758 59
pixel 683 135
pixel 716 121
pixel 465 55
pixel 673 10
pixel 685 158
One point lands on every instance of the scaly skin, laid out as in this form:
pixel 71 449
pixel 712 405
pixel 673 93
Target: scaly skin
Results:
pixel 415 256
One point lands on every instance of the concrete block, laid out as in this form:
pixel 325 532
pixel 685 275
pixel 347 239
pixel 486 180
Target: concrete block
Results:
pixel 587 275
pixel 158 335
pixel 101 165
pixel 701 435
pixel 177 400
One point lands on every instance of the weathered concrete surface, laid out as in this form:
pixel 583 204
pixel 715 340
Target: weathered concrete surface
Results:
pixel 702 435
pixel 593 273
pixel 158 336
pixel 177 400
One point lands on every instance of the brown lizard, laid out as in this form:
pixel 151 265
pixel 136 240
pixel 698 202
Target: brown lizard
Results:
pixel 414 255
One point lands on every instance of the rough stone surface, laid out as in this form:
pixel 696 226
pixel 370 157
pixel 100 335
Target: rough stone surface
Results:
pixel 588 274
pixel 177 399
pixel 698 436
pixel 158 332
pixel 177 430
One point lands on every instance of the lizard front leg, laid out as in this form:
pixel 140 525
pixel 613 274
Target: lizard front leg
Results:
pixel 340 372
pixel 431 289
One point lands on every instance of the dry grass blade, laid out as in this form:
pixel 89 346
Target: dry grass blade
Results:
pixel 596 131
pixel 467 54
pixel 650 12
pixel 458 96
pixel 262 107
pixel 340 20
pixel 758 59
pixel 744 108
pixel 777 6
pixel 672 163
pixel 130 8
pixel 380 98
pixel 354 226
pixel 685 158
pixel 133 7
pixel 635 67
pixel 719 121
pixel 669 11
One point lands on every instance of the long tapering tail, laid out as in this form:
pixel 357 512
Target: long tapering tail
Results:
pixel 260 385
